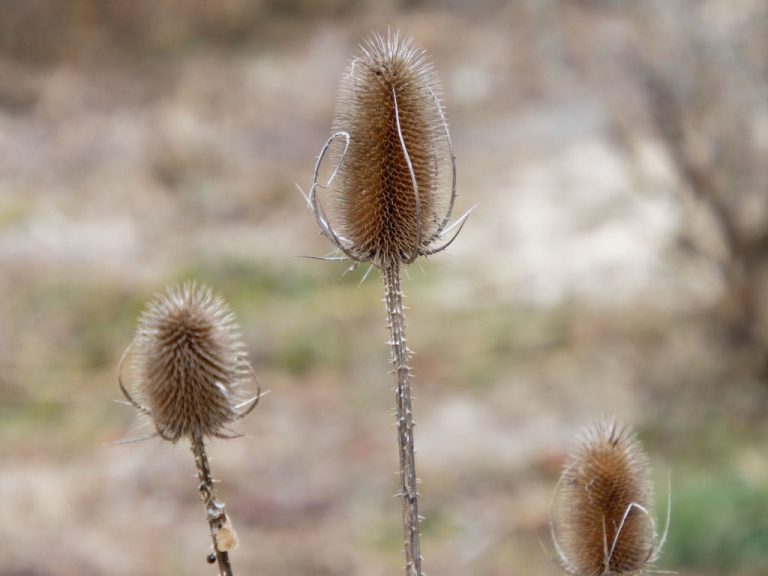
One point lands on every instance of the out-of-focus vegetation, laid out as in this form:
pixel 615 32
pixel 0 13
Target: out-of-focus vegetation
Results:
pixel 614 266
pixel 730 542
pixel 37 31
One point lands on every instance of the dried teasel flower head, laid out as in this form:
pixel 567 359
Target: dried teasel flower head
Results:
pixel 393 185
pixel 602 521
pixel 189 365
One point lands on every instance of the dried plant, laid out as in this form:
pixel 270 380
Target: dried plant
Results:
pixel 602 522
pixel 392 192
pixel 190 367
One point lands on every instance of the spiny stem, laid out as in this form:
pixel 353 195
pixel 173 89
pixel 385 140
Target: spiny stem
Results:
pixel 214 509
pixel 404 414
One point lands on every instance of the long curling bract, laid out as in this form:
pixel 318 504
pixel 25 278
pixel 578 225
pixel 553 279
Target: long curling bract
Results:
pixel 387 196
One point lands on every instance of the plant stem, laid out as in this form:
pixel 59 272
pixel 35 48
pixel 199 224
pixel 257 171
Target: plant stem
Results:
pixel 214 509
pixel 404 414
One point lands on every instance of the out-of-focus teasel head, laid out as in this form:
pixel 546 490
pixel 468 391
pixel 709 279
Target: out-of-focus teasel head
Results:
pixel 602 515
pixel 189 365
pixel 392 182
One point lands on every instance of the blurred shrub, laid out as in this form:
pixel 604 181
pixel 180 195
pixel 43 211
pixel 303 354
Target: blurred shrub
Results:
pixel 706 96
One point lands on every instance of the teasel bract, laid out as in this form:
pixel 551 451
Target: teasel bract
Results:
pixel 190 368
pixel 390 195
pixel 602 518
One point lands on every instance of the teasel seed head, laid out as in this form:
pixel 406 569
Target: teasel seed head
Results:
pixel 190 364
pixel 602 520
pixel 394 183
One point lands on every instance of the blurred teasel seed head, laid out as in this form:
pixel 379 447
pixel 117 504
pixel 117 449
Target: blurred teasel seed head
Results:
pixel 602 521
pixel 393 187
pixel 190 364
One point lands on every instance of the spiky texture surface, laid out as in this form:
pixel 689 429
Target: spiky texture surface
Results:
pixel 375 201
pixel 598 531
pixel 190 362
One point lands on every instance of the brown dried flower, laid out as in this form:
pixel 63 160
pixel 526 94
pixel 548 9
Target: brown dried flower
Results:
pixel 391 193
pixel 394 185
pixel 602 522
pixel 190 364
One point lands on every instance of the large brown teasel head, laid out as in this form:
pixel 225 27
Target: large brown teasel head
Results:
pixel 392 187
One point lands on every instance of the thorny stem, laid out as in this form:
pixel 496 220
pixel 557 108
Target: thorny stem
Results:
pixel 214 509
pixel 404 415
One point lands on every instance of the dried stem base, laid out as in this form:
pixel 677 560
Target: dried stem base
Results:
pixel 214 509
pixel 404 414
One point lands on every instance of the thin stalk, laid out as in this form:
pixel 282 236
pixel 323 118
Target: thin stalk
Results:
pixel 214 509
pixel 404 414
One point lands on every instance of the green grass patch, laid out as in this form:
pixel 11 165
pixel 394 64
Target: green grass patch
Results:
pixel 719 525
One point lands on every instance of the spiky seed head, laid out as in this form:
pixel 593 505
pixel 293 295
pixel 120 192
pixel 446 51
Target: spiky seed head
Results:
pixel 189 362
pixel 601 516
pixel 389 104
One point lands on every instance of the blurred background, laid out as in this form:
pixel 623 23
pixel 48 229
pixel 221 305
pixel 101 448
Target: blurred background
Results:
pixel 617 264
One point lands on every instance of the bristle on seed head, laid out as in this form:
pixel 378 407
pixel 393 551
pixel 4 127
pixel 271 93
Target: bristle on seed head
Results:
pixel 394 183
pixel 189 363
pixel 601 521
